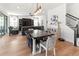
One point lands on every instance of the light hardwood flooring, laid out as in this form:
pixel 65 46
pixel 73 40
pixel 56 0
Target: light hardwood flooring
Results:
pixel 16 45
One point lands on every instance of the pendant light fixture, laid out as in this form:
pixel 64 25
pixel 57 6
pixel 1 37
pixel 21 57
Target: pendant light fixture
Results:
pixel 38 9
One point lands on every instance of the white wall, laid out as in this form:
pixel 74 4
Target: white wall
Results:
pixel 24 16
pixel 51 9
pixel 73 9
pixel 66 32
pixel 60 11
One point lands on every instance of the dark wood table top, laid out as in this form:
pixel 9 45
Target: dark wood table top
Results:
pixel 40 33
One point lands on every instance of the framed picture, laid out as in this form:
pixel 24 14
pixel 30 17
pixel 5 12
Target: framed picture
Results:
pixel 53 22
pixel 54 19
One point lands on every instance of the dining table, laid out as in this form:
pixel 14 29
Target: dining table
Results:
pixel 35 34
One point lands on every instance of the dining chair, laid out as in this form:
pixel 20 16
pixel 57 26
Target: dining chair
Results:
pixel 48 44
pixel 29 41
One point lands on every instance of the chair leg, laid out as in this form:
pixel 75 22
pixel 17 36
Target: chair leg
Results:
pixel 40 49
pixel 54 51
pixel 46 52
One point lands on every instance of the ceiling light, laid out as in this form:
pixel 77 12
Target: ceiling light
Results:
pixel 38 10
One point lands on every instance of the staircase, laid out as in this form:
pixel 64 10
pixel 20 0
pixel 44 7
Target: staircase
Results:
pixel 73 23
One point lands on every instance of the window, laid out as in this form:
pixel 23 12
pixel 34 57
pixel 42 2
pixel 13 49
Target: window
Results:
pixel 14 22
pixel 3 24
pixel 1 21
pixel 37 21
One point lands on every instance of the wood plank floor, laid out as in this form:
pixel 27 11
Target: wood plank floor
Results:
pixel 16 45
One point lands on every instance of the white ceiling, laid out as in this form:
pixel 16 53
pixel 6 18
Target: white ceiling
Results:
pixel 25 8
pixel 17 8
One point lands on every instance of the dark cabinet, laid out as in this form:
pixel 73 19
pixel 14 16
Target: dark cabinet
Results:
pixel 23 23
